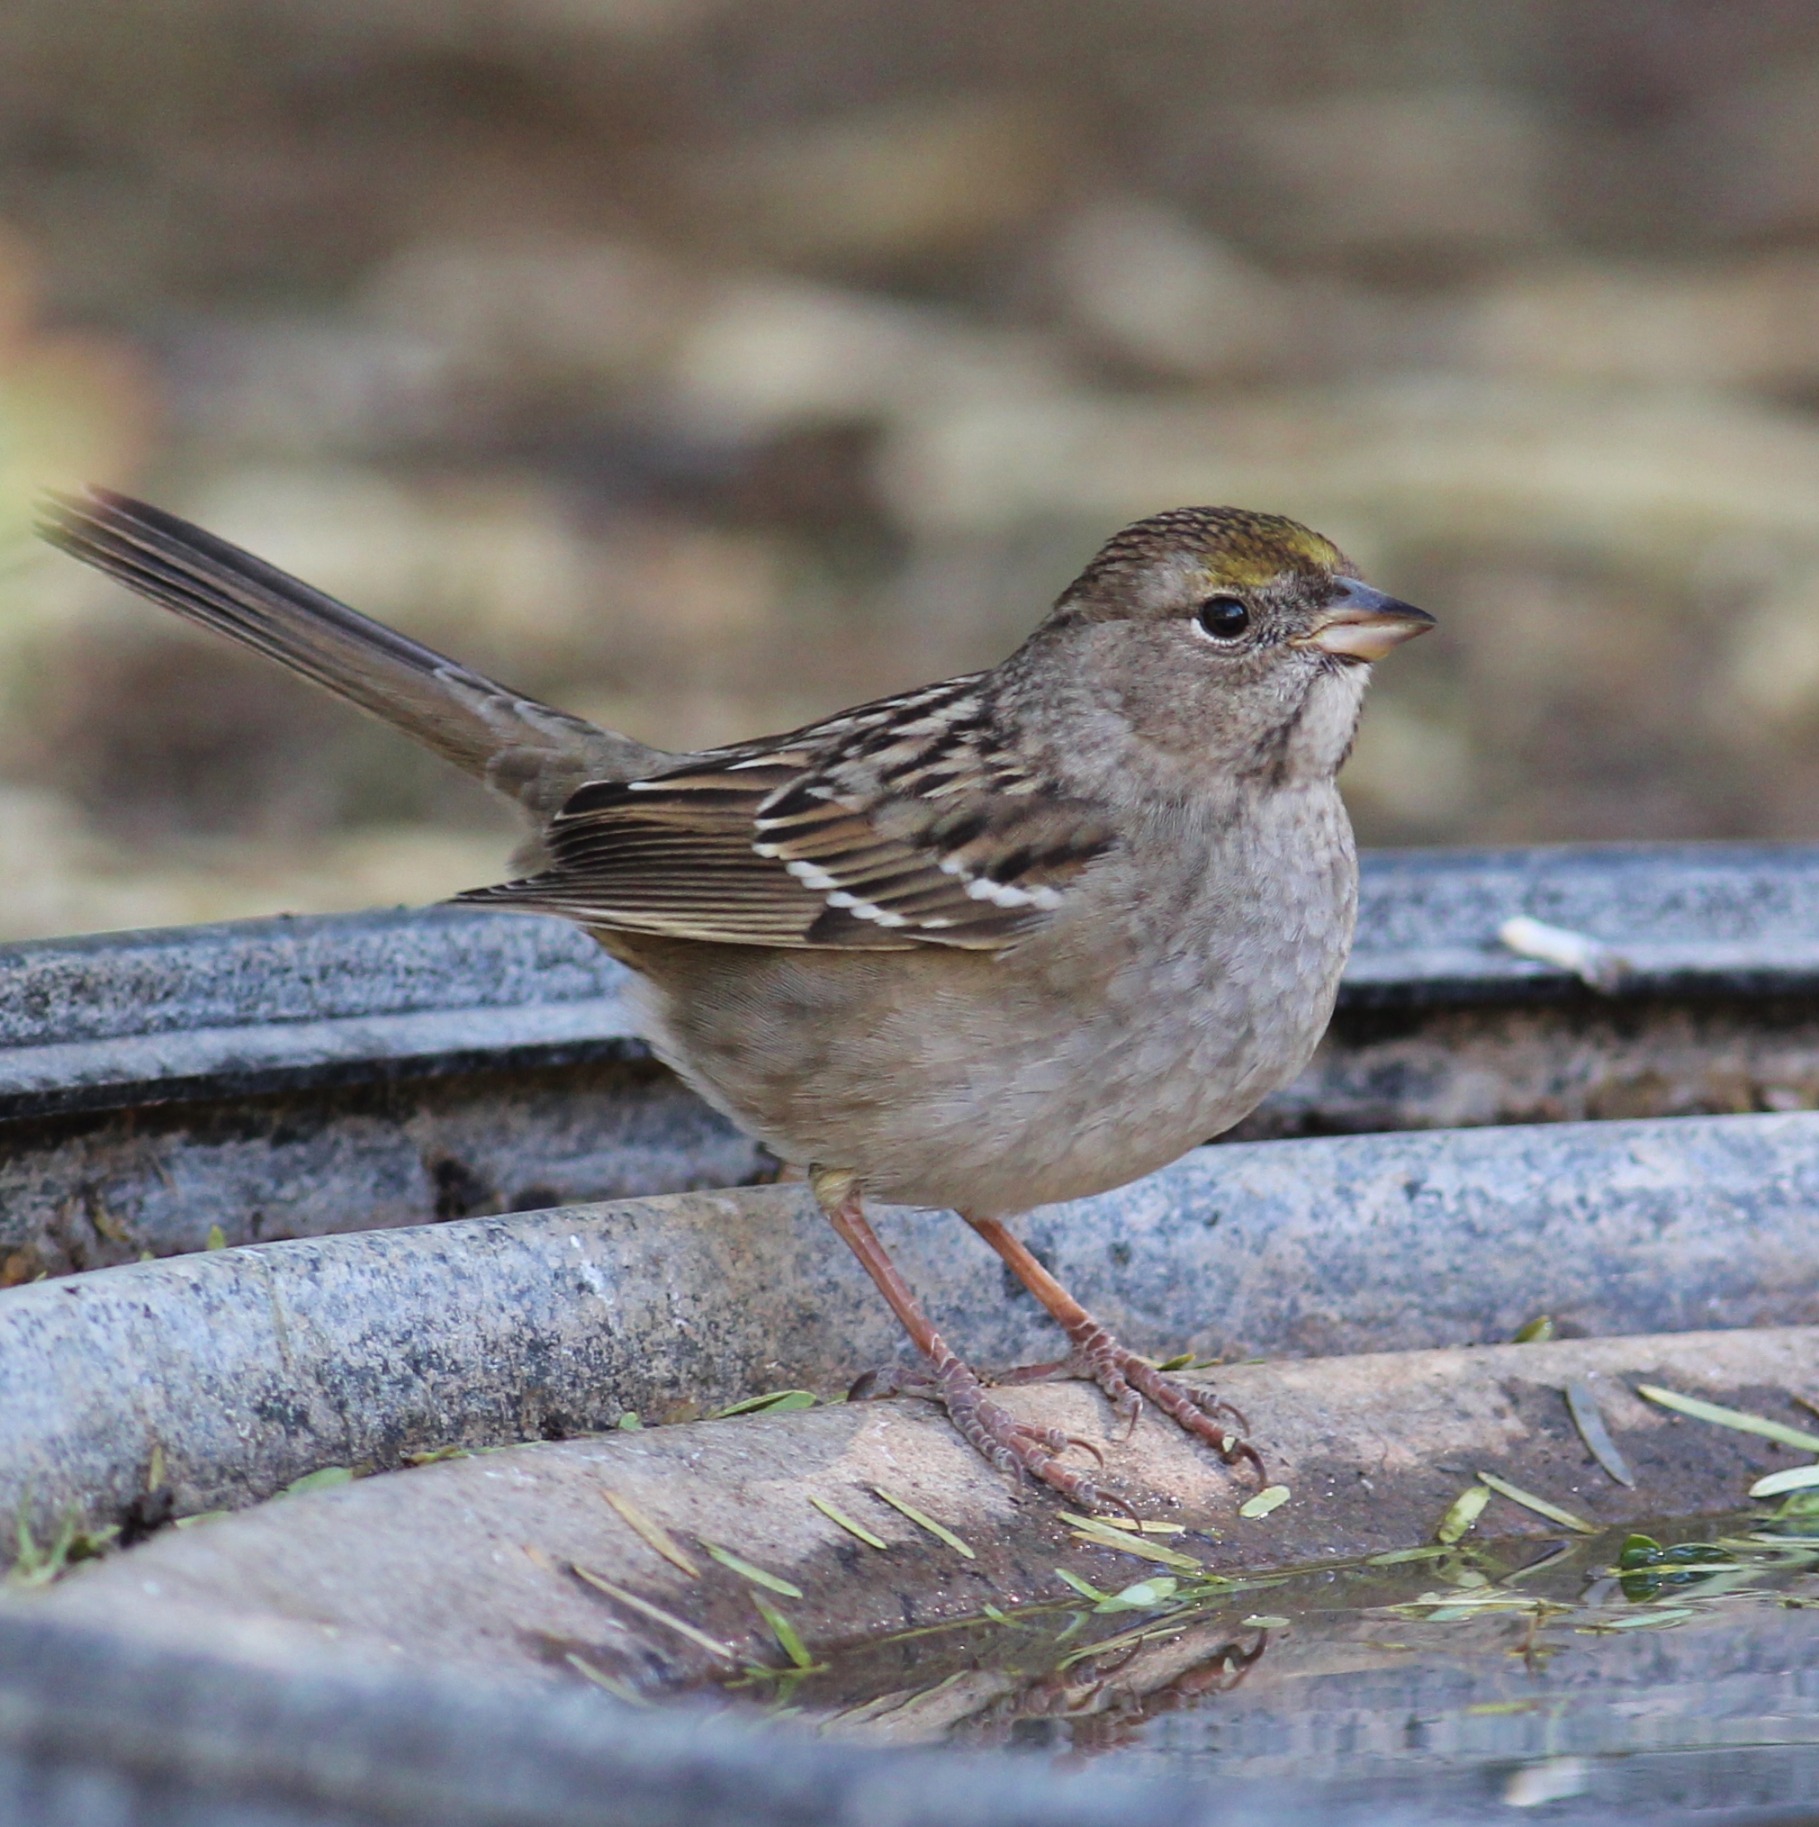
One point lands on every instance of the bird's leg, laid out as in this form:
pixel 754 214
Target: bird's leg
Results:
pixel 992 1431
pixel 1126 1378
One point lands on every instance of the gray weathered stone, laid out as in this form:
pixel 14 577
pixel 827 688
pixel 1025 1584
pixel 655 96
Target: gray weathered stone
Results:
pixel 470 1562
pixel 250 1367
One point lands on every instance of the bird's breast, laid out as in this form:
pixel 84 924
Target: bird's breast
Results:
pixel 1155 1011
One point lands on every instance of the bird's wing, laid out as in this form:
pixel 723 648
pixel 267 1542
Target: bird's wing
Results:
pixel 899 824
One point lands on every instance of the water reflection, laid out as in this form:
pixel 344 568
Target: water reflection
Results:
pixel 1672 1674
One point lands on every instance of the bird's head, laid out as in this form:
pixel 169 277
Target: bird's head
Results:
pixel 1228 638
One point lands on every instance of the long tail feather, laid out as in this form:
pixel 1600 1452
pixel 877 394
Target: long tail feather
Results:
pixel 523 749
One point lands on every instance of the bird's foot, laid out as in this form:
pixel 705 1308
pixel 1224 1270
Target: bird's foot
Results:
pixel 992 1431
pixel 1126 1378
pixel 1129 1381
pixel 997 1436
pixel 1014 1446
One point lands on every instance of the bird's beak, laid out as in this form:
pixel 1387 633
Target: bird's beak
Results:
pixel 1363 624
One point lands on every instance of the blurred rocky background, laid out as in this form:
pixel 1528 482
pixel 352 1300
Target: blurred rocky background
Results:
pixel 706 364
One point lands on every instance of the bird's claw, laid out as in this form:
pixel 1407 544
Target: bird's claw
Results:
pixel 1129 1381
pixel 1017 1447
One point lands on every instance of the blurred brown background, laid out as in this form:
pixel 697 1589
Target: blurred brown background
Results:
pixel 706 364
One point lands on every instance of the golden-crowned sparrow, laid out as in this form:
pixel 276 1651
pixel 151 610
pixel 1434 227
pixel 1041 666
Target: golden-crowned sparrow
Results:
pixel 1014 938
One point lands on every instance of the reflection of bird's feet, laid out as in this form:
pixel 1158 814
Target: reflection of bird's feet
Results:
pixel 991 1430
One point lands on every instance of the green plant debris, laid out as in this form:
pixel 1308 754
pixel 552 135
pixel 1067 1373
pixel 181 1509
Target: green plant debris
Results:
pixel 1588 1418
pixel 939 1531
pixel 930 1630
pixel 1650 1620
pixel 629 1422
pixel 1645 1568
pixel 1128 1525
pixel 655 1613
pixel 857 1530
pixel 620 1690
pixel 1561 1551
pixel 1455 1613
pixel 1187 1360
pixel 1795 1478
pixel 746 1570
pixel 652 1533
pixel 435 1455
pixel 1555 1513
pixel 1143 1595
pixel 1451 1607
pixel 1797 1508
pixel 1085 1588
pixel 216 1239
pixel 39 1564
pixel 154 1472
pixel 1101 1535
pixel 1271 1497
pixel 1468 1592
pixel 1736 1418
pixel 789 1639
pixel 1538 1331
pixel 199 1518
pixel 325 1478
pixel 1638 1550
pixel 1462 1513
pixel 773 1402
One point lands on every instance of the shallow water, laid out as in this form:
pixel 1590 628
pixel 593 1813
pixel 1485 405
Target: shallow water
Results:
pixel 1677 1679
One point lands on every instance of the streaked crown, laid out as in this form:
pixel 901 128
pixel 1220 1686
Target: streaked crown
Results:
pixel 1239 548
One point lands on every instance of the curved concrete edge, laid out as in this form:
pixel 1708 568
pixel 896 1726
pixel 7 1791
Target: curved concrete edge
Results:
pixel 471 1562
pixel 292 969
pixel 200 1063
pixel 244 1369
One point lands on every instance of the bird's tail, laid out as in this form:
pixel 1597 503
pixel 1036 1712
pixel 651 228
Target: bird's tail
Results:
pixel 525 750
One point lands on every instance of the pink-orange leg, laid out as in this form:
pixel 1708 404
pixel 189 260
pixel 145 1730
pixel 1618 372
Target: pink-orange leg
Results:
pixel 1126 1378
pixel 991 1430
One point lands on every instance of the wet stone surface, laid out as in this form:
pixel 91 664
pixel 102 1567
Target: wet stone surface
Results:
pixel 854 1570
pixel 1671 1662
pixel 648 1559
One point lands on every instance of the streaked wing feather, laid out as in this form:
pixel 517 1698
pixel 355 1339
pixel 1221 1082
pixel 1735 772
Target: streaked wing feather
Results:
pixel 898 824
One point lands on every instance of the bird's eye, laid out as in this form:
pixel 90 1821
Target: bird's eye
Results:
pixel 1222 617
